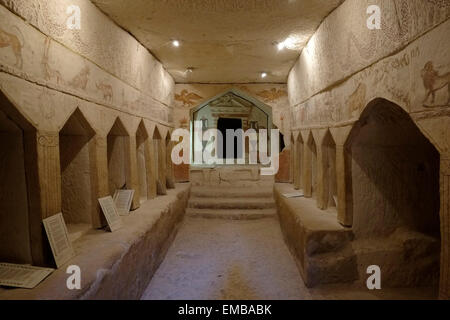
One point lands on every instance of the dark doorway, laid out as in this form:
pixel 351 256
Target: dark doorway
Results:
pixel 223 125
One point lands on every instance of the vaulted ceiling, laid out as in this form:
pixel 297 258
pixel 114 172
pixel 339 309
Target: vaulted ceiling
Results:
pixel 224 41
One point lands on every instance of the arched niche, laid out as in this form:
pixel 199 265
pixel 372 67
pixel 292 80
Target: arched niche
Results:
pixel 395 196
pixel 21 239
pixel 395 173
pixel 118 145
pixel 329 171
pixel 78 201
pixel 143 160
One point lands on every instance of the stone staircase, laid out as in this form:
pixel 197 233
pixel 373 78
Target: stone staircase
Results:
pixel 231 202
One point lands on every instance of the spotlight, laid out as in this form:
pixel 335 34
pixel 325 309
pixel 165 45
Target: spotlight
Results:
pixel 264 75
pixel 176 43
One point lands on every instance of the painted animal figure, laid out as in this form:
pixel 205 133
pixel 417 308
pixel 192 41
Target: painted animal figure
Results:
pixel 433 82
pixel 106 89
pixel 10 40
pixel 81 80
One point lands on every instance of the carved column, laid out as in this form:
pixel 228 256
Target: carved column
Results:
pixel 343 177
pixel 133 180
pixel 152 172
pixel 321 184
pixel 307 170
pixel 170 174
pixel 296 164
pixel 40 250
pixel 49 172
pixel 162 167
pixel 444 288
pixel 98 152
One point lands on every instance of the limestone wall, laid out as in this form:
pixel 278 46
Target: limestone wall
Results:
pixel 48 74
pixel 346 66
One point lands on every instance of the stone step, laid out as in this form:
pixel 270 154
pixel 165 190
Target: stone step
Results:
pixel 232 192
pixel 231 203
pixel 231 214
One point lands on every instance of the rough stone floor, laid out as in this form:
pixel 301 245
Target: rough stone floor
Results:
pixel 243 259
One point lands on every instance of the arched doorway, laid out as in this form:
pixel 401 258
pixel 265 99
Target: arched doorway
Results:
pixel 231 110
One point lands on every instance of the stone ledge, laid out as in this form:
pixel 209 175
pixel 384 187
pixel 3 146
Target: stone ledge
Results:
pixel 317 241
pixel 117 265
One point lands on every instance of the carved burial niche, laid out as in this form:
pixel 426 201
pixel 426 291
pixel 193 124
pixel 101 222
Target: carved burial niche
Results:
pixel 20 232
pixel 395 173
pixel 143 161
pixel 395 195
pixel 329 171
pixel 75 145
pixel 118 157
pixel 312 150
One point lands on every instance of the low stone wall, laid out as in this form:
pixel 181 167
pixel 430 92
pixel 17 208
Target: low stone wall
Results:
pixel 315 239
pixel 118 265
pixel 327 252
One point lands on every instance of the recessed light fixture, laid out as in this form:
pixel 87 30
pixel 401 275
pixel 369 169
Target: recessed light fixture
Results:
pixel 288 43
pixel 264 75
pixel 190 70
pixel 176 43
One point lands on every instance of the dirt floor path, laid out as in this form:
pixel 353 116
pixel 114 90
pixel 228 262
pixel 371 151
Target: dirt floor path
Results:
pixel 223 259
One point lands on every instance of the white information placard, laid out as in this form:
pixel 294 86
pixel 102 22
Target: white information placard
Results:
pixel 112 216
pixel 22 276
pixel 293 195
pixel 57 234
pixel 123 200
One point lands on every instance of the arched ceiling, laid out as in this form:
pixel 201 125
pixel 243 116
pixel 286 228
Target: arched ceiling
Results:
pixel 225 41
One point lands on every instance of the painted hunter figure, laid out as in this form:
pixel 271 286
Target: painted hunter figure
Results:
pixel 434 82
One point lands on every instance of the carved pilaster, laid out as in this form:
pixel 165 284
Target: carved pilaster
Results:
pixel 307 170
pixel 133 172
pixel 343 180
pixel 170 176
pixel 321 185
pixel 162 167
pixel 296 164
pixel 98 151
pixel 152 171
pixel 49 172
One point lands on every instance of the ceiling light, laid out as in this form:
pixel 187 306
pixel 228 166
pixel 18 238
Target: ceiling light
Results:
pixel 263 75
pixel 289 43
pixel 176 43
